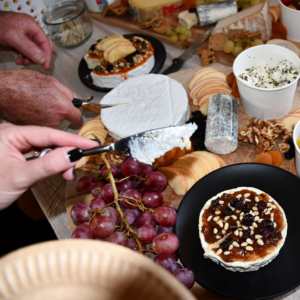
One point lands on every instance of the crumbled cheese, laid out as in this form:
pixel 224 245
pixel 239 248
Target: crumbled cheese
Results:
pixel 265 77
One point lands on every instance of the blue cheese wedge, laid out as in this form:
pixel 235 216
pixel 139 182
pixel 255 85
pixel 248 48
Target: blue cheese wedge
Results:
pixel 242 229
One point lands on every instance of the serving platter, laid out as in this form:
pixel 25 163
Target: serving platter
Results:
pixel 278 277
pixel 244 153
pixel 159 56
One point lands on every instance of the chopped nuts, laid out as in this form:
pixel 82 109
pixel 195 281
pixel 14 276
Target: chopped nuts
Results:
pixel 254 208
pixel 260 242
pixel 209 218
pixel 247 195
pixel 236 232
pixel 258 236
pixel 249 241
pixel 244 244
pixel 215 230
pixel 256 218
pixel 256 199
pixel 226 218
pixel 238 196
pixel 234 217
pixel 241 233
pixel 255 225
pixel 235 244
pixel 217 212
pixel 230 247
pixel 226 226
pixel 244 227
pixel 249 248
pixel 220 223
pixel 226 252
pixel 219 251
pixel 216 218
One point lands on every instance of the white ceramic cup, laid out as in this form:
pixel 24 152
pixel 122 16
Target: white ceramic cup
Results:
pixel 264 103
pixel 290 18
pixel 296 136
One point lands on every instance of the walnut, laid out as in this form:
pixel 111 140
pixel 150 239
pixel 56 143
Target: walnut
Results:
pixel 251 122
pixel 265 145
pixel 287 137
pixel 283 147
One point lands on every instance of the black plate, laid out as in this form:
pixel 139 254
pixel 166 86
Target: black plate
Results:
pixel 159 56
pixel 278 277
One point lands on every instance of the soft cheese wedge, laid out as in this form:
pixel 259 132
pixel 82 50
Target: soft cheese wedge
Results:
pixel 242 229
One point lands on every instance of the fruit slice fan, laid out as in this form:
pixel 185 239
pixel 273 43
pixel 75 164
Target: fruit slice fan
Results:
pixel 127 210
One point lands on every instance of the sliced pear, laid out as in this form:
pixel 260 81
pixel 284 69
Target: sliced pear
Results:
pixel 114 41
pixel 119 52
pixel 99 45
pixel 176 180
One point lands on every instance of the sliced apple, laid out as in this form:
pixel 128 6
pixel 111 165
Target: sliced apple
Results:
pixel 290 123
pixel 208 86
pixel 99 45
pixel 204 160
pixel 108 49
pixel 187 175
pixel 205 98
pixel 186 168
pixel 119 52
pixel 188 161
pixel 98 136
pixel 221 161
pixel 176 180
pixel 198 75
pixel 215 91
pixel 82 161
pixel 214 75
pixel 204 108
pixel 91 125
pixel 204 82
pixel 196 160
pixel 211 158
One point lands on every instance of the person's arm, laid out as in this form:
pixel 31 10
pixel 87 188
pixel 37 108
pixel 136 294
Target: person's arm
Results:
pixel 20 33
pixel 31 98
pixel 17 174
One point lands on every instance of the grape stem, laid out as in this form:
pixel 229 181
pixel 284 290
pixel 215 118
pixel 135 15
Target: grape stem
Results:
pixel 116 197
pixel 140 177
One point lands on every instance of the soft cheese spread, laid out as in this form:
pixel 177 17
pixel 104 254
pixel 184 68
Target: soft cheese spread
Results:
pixel 110 75
pixel 265 77
pixel 242 229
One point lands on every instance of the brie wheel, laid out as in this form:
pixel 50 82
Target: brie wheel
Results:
pixel 236 257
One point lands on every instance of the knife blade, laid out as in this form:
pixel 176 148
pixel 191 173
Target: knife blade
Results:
pixel 178 62
pixel 144 146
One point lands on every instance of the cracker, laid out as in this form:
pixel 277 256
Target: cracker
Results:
pixel 235 34
pixel 253 35
pixel 207 57
pixel 216 41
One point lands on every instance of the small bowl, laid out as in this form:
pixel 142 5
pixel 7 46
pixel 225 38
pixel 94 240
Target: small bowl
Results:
pixel 296 136
pixel 264 103
pixel 290 18
pixel 68 24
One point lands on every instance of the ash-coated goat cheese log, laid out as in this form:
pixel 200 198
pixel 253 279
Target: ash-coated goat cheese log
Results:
pixel 221 135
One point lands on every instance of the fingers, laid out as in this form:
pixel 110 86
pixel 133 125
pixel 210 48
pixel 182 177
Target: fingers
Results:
pixel 26 137
pixel 63 89
pixel 68 174
pixel 50 164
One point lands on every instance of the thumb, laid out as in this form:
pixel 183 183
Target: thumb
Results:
pixel 72 114
pixel 52 163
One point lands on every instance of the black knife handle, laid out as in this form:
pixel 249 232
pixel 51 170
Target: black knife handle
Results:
pixel 77 103
pixel 76 154
pixel 175 66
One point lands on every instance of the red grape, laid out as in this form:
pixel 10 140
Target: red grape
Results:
pixel 162 229
pixel 97 203
pixel 165 216
pixel 87 183
pixel 102 227
pixel 128 158
pixel 130 216
pixel 186 276
pixel 132 194
pixel 167 261
pixel 155 181
pixel 107 193
pixel 124 185
pixel 114 171
pixel 98 239
pixel 80 213
pixel 132 244
pixel 83 231
pixel 137 212
pixel 153 199
pixel 147 219
pixel 117 238
pixel 134 228
pixel 111 213
pixel 131 168
pixel 96 191
pixel 146 234
pixel 146 168
pixel 178 267
pixel 165 242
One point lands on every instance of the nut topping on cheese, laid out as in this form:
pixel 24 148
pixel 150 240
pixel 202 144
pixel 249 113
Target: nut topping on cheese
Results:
pixel 248 233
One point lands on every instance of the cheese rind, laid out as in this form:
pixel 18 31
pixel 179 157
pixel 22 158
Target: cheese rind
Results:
pixel 153 101
pixel 187 19
pixel 255 18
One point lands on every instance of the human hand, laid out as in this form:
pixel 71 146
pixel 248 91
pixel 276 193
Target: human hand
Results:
pixel 31 98
pixel 16 142
pixel 20 33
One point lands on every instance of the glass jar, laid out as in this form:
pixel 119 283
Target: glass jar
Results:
pixel 68 24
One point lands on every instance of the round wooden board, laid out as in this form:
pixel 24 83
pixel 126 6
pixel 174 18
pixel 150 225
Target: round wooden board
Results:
pixel 244 153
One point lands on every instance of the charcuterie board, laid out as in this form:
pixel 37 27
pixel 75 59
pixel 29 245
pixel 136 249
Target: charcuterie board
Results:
pixel 126 22
pixel 244 153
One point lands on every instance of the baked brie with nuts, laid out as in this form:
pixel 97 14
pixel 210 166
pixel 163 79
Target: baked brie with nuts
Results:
pixel 116 59
pixel 242 229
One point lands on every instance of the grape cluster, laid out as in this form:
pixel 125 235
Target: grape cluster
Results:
pixel 127 210
pixel 237 46
pixel 179 33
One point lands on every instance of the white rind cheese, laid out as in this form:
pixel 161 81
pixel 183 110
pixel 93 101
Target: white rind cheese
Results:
pixel 240 266
pixel 112 81
pixel 91 62
pixel 255 18
pixel 152 101
pixel 188 19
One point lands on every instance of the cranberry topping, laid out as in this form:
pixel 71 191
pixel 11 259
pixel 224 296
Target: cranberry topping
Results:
pixel 248 220
pixel 246 234
pixel 234 201
pixel 227 211
pixel 261 205
pixel 239 205
pixel 246 208
pixel 233 226
pixel 266 228
pixel 226 243
pixel 215 204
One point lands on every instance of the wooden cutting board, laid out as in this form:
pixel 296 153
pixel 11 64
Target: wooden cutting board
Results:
pixel 244 153
pixel 126 22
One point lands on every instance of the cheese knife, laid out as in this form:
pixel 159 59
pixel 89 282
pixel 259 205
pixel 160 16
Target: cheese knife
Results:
pixel 144 146
pixel 178 62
